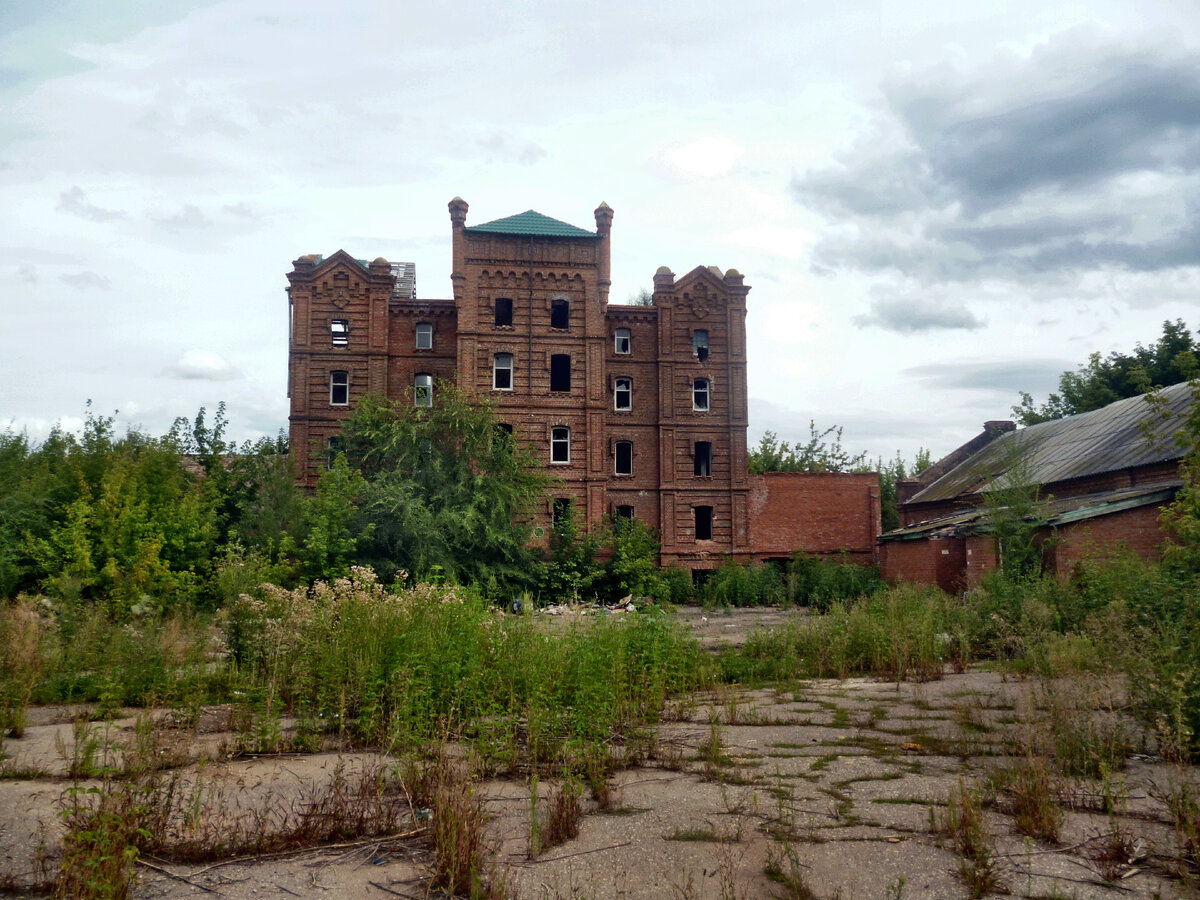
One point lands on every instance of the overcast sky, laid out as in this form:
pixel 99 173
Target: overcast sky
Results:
pixel 937 205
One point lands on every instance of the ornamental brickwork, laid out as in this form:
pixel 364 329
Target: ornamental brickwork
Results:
pixel 639 410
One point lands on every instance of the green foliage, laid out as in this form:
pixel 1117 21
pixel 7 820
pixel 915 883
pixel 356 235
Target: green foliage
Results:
pixel 891 473
pixel 1016 513
pixel 1172 359
pixel 405 666
pixel 805 579
pixel 445 491
pixel 823 452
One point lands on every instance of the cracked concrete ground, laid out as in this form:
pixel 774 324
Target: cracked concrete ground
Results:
pixel 836 782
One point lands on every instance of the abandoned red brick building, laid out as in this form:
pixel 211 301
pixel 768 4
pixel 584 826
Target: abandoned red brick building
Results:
pixel 640 410
pixel 1102 476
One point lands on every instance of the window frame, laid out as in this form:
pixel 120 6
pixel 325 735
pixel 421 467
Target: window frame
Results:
pixel 336 383
pixel 625 511
pixel 423 390
pixel 339 337
pixel 701 386
pixel 617 448
pixel 426 329
pixel 699 344
pixel 627 390
pixel 560 439
pixel 497 368
pixel 620 334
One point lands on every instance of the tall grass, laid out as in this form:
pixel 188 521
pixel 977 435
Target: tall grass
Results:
pixel 397 668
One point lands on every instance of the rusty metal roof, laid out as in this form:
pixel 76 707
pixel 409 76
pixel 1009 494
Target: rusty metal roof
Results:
pixel 1126 434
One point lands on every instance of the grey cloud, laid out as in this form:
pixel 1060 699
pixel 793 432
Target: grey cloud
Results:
pixel 188 218
pixel 27 274
pixel 86 280
pixel 1100 171
pixel 503 147
pixel 74 201
pixel 906 316
pixel 1034 375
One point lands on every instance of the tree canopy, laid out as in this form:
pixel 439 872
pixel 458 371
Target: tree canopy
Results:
pixel 1102 380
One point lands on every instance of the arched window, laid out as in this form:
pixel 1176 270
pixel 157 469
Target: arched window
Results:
pixel 700 392
pixel 423 389
pixel 502 372
pixel 560 444
pixel 624 458
pixel 339 388
pixel 623 393
pixel 424 336
pixel 622 342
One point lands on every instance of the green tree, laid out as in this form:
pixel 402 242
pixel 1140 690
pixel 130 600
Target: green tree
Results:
pixel 1102 380
pixel 446 491
pixel 823 452
pixel 891 473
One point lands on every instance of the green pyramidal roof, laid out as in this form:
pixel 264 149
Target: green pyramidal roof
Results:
pixel 533 223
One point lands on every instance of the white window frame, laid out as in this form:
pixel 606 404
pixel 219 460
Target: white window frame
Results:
pixel 560 440
pixel 701 386
pixel 424 330
pixel 617 458
pixel 502 362
pixel 622 335
pixel 422 389
pixel 342 383
pixel 623 384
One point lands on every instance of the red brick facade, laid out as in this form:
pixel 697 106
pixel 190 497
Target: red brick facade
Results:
pixel 649 412
pixel 822 514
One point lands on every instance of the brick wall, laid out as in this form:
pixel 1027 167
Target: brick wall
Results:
pixel 1106 537
pixel 817 513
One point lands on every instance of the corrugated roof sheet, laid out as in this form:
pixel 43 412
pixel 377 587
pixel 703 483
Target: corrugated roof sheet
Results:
pixel 1122 435
pixel 532 223
pixel 1052 513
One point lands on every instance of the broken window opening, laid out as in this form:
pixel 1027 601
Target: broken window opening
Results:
pixel 700 344
pixel 702 459
pixel 339 332
pixel 504 309
pixel 423 389
pixel 624 512
pixel 333 447
pixel 622 342
pixel 700 392
pixel 624 458
pixel 623 393
pixel 704 522
pixel 560 314
pixel 561 511
pixel 560 372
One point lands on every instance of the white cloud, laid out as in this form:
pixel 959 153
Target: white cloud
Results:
pixel 705 157
pixel 202 365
